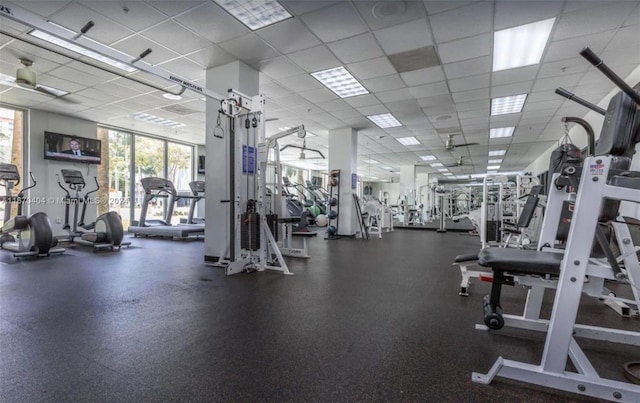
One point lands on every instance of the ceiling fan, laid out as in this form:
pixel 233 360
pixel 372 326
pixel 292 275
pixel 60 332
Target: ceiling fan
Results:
pixel 26 78
pixel 460 162
pixel 451 143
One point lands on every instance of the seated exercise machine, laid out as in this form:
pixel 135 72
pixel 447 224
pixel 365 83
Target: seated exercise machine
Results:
pixel 163 188
pixel 602 183
pixel 25 236
pixel 105 233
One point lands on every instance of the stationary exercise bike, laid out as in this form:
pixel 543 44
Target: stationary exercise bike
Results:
pixel 104 233
pixel 25 236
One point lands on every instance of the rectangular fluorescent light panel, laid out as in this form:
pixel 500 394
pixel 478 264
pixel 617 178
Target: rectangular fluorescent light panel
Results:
pixel 447 174
pixel 521 46
pixel 341 82
pixel 443 170
pixel 255 14
pixel 385 120
pixel 436 164
pixel 145 117
pixel 510 104
pixel 495 162
pixel 493 167
pixel 408 141
pixel 501 132
pixel 496 153
pixel 428 157
pixel 86 52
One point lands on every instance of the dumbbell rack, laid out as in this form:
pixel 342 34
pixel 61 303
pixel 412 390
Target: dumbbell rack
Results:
pixel 334 192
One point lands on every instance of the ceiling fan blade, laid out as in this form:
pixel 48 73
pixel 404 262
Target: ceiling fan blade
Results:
pixel 466 145
pixel 45 91
pixel 271 119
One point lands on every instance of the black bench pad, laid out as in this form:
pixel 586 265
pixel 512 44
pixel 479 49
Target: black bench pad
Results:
pixel 520 261
pixel 305 234
pixel 466 258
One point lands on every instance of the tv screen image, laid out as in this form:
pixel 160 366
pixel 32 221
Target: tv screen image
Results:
pixel 67 147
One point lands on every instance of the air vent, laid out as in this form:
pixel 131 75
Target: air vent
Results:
pixel 179 110
pixel 415 59
pixel 448 130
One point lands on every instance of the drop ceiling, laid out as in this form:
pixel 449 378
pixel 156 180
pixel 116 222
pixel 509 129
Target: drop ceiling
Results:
pixel 380 42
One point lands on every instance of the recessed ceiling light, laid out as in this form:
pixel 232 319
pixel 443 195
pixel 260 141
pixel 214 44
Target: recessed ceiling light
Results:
pixel 428 157
pixel 496 153
pixel 510 104
pixel 493 167
pixel 501 132
pixel 384 120
pixel 370 161
pixel 408 141
pixel 494 162
pixel 447 174
pixel 340 81
pixel 255 14
pixel 172 97
pixel 443 170
pixel 86 52
pixel 492 172
pixel 436 164
pixel 145 117
pixel 520 46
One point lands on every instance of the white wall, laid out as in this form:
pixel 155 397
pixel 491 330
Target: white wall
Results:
pixel 392 188
pixel 45 171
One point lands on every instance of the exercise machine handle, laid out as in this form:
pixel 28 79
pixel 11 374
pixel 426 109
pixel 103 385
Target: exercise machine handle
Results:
pixel 573 97
pixel 592 58
pixel 94 190
pixel 591 137
pixel 62 187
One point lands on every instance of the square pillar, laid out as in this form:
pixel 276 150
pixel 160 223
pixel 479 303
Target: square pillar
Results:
pixel 343 155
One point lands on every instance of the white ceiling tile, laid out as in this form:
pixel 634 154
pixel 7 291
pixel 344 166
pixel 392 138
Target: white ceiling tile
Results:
pixel 625 38
pixel 372 110
pixel 511 89
pixel 136 44
pixel 188 69
pixel 379 14
pixel 463 49
pixel 372 68
pixel 173 36
pixel 78 76
pixel 403 37
pixel 444 99
pixel 462 22
pixel 542 96
pixel 213 23
pixel 104 31
pixel 357 48
pixel 470 83
pixel 362 100
pixel 620 57
pixel 394 95
pixel 596 19
pixel 633 18
pixel 561 67
pixel 336 22
pixel 442 111
pixel 510 14
pixel 288 36
pixel 279 67
pixel 516 75
pixel 472 106
pixel 476 113
pixel 551 83
pixel 299 7
pixel 318 95
pixel 429 90
pixel 315 59
pixel 334 105
pixel 406 106
pixel 390 82
pixel 249 48
pixel 42 8
pixel 136 15
pixel 423 76
pixel 569 48
pixel 174 8
pixel 468 68
pixel 346 113
pixel 99 95
pixel 210 57
pixel 435 7
pixel 472 95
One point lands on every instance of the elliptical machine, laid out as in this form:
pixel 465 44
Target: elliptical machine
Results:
pixel 25 236
pixel 106 230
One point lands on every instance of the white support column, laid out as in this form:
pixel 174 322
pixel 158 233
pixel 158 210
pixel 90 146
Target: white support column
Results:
pixel 343 155
pixel 243 78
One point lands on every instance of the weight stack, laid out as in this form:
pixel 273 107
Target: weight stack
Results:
pixel 272 223
pixel 250 231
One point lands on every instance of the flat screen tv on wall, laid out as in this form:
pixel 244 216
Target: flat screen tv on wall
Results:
pixel 67 147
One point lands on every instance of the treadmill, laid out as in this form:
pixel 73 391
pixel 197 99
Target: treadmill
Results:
pixel 197 189
pixel 162 188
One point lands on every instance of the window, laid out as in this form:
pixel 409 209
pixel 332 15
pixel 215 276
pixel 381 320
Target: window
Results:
pixel 119 184
pixel 11 142
pixel 149 161
pixel 180 172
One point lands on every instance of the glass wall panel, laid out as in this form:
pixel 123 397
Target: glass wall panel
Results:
pixel 180 172
pixel 11 149
pixel 120 175
pixel 149 161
